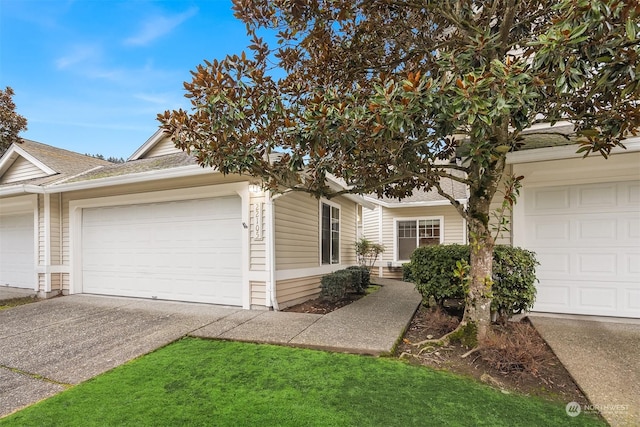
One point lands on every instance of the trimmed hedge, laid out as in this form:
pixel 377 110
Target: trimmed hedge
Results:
pixel 432 270
pixel 335 285
pixel 361 278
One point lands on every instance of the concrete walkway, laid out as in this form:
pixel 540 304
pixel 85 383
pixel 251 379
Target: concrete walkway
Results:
pixel 371 325
pixel 49 345
pixel 603 357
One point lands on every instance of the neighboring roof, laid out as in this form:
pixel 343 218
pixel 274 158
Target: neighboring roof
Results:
pixel 543 136
pixel 138 166
pixel 55 163
pixel 424 198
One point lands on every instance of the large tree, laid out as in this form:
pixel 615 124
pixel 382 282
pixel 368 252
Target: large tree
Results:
pixel 384 94
pixel 11 123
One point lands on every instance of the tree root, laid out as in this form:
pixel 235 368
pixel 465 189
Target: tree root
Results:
pixel 470 352
pixel 442 341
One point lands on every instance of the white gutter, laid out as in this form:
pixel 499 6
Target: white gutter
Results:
pixel 22 189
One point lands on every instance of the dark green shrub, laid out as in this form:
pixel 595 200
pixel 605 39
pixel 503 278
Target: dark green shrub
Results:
pixel 432 269
pixel 334 286
pixel 406 272
pixel 514 277
pixel 360 276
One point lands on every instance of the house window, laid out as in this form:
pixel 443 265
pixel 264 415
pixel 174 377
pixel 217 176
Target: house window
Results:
pixel 330 234
pixel 412 234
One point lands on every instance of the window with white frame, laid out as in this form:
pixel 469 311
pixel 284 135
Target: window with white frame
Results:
pixel 330 233
pixel 413 233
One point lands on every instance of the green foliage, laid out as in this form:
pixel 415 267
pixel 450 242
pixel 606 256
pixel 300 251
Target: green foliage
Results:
pixel 514 277
pixel 367 252
pixel 407 275
pixel 442 271
pixel 334 286
pixel 11 123
pixel 432 269
pixel 360 278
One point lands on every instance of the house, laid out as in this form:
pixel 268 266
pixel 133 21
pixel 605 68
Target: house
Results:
pixel 401 226
pixel 581 216
pixel 160 226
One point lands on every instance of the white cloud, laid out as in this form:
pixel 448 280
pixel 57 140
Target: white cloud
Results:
pixel 157 26
pixel 79 54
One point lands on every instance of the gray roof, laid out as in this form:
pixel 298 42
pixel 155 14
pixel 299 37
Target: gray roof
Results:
pixel 64 162
pixel 548 137
pixel 167 161
pixel 454 188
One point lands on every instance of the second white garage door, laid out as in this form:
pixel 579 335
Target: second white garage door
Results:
pixel 186 250
pixel 17 262
pixel 587 240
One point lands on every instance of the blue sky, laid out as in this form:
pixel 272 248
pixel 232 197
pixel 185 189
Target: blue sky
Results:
pixel 91 75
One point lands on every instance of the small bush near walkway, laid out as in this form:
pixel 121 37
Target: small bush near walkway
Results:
pixel 334 286
pixel 432 269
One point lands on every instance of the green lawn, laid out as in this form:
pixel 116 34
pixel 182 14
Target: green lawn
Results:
pixel 200 382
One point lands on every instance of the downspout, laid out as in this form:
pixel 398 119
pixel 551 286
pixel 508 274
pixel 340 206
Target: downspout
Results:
pixel 271 249
pixel 380 267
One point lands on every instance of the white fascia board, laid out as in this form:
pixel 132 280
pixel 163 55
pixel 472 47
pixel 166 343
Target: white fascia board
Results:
pixel 565 152
pixel 148 145
pixel 182 171
pixel 399 205
pixel 13 152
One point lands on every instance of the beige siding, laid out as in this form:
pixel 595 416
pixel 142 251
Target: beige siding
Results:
pixel 296 231
pixel 503 238
pixel 294 291
pixel 258 293
pixel 454 231
pixel 370 226
pixel 257 249
pixel 163 147
pixel 348 231
pixel 20 170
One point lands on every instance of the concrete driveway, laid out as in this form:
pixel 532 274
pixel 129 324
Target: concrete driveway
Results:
pixel 601 354
pixel 49 345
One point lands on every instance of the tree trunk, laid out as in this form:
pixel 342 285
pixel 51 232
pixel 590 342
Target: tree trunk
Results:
pixel 477 312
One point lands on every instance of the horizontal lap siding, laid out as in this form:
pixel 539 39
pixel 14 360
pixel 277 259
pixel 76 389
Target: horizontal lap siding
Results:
pixel 258 293
pixel 370 224
pixel 296 231
pixel 294 291
pixel 348 231
pixel 166 146
pixel 21 170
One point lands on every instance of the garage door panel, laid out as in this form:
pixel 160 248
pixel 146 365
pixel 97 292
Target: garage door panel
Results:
pixel 17 250
pixel 587 240
pixel 186 250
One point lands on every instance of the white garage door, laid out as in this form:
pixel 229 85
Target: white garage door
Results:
pixel 587 239
pixel 17 257
pixel 184 250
